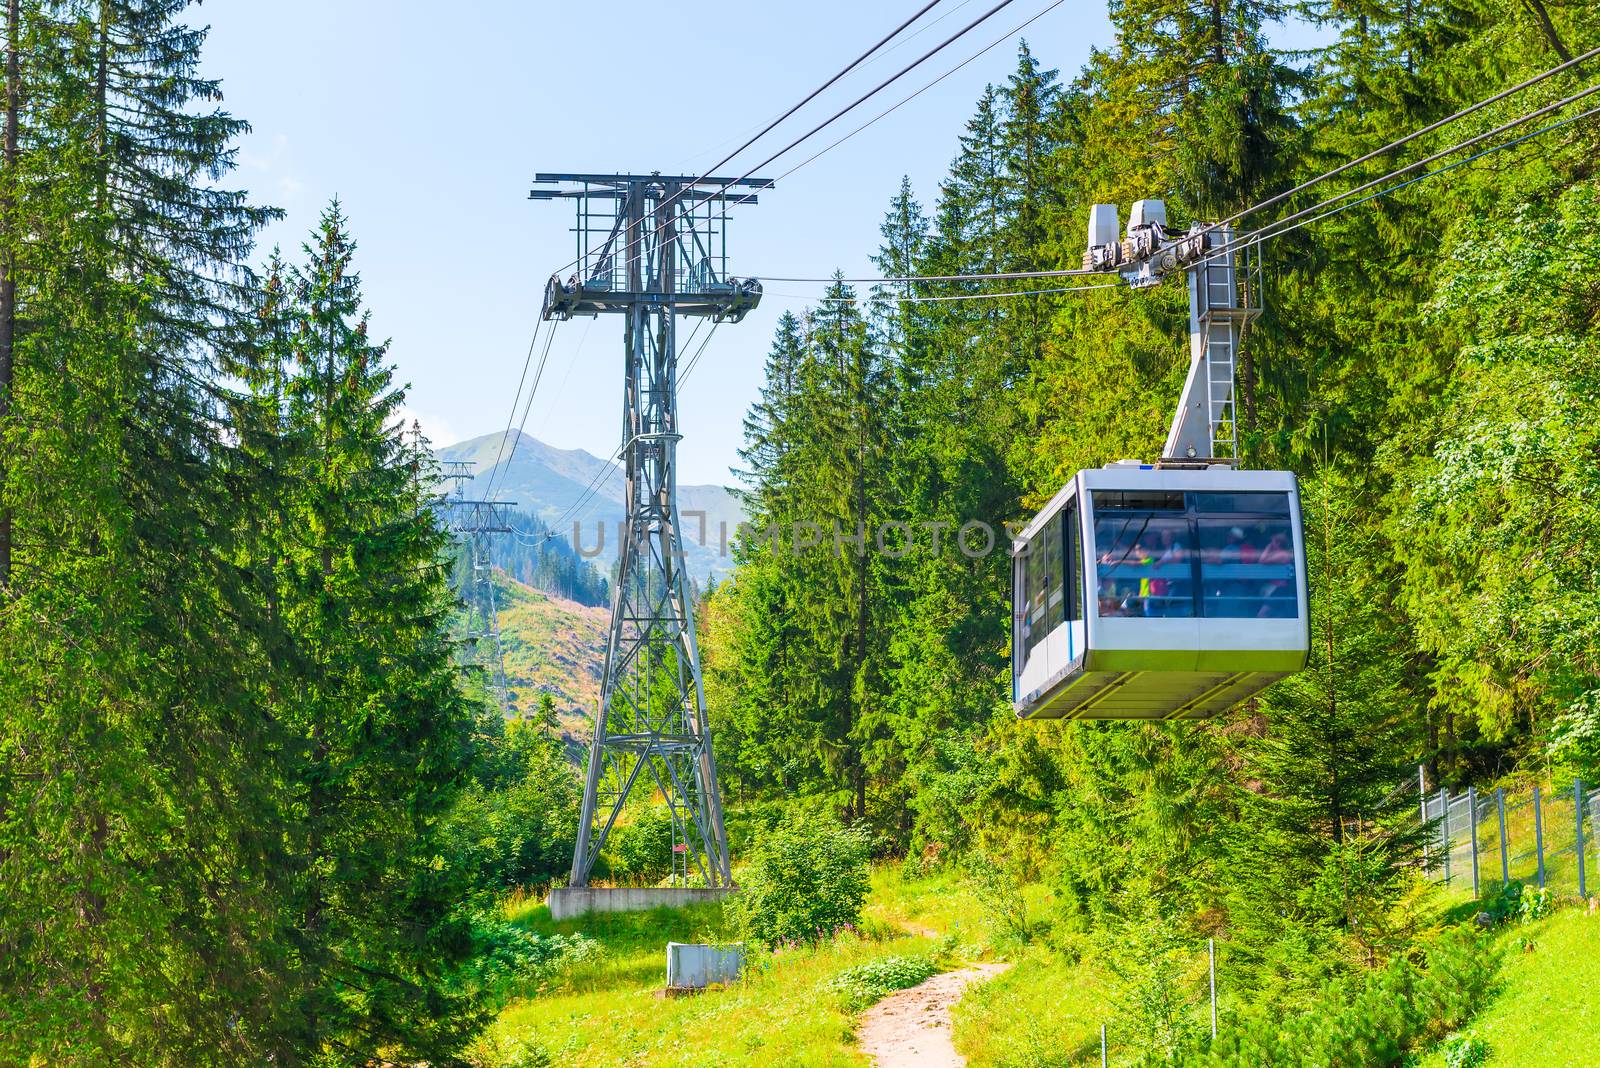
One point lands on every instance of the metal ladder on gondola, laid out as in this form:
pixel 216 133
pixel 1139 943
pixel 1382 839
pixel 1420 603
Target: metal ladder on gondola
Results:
pixel 1223 299
pixel 1219 291
pixel 1221 305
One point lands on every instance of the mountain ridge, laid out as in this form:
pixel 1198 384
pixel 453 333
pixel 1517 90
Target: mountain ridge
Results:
pixel 549 482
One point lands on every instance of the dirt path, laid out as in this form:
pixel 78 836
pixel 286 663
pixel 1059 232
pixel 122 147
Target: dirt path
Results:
pixel 911 1028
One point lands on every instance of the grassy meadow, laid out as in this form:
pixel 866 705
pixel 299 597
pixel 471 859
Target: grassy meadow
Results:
pixel 610 1011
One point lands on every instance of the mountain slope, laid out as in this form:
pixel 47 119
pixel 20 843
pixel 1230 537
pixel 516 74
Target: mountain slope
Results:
pixel 551 645
pixel 548 482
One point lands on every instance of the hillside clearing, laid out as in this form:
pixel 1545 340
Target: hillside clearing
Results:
pixel 1546 1011
pixel 609 1011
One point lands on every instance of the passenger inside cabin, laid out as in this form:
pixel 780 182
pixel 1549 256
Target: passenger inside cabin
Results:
pixel 1277 551
pixel 1234 551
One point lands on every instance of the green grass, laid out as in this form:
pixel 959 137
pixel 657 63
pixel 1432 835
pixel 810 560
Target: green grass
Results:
pixel 1547 1012
pixel 1046 1011
pixel 786 1011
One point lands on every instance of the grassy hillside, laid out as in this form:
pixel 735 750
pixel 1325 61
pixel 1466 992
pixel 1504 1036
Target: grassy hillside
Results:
pixel 609 1011
pixel 552 646
pixel 1546 1011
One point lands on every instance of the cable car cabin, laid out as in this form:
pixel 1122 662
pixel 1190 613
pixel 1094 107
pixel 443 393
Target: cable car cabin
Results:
pixel 1141 593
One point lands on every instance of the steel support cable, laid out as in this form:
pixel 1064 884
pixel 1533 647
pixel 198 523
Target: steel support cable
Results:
pixel 695 359
pixel 590 490
pixel 1017 275
pixel 533 390
pixel 906 100
pixel 1267 233
pixel 581 505
pixel 889 298
pixel 818 91
pixel 875 90
pixel 1433 173
pixel 1278 226
pixel 1271 229
pixel 572 363
pixel 837 115
pixel 516 397
pixel 1408 138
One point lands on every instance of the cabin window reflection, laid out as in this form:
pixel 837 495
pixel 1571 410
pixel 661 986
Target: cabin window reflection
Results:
pixel 1247 568
pixel 1218 555
pixel 1143 564
pixel 1072 566
pixel 1052 570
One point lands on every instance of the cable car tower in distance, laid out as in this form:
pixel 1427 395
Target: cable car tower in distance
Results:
pixel 651 248
pixel 1172 590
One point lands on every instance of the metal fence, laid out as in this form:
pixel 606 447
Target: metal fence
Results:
pixel 1548 838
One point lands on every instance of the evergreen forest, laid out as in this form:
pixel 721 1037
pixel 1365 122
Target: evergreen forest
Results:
pixel 536 556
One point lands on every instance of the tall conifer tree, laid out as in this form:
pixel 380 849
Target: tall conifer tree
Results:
pixel 380 731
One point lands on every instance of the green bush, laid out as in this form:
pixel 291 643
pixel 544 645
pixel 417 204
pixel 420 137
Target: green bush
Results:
pixel 864 984
pixel 1465 1050
pixel 1536 905
pixel 491 1051
pixel 509 961
pixel 513 827
pixel 804 881
pixel 640 852
pixel 1373 1018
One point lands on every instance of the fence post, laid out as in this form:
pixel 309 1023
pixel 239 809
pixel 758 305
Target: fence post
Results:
pixel 1422 802
pixel 1102 1046
pixel 1538 834
pixel 1211 956
pixel 1444 830
pixel 1472 829
pixel 1505 858
pixel 1594 816
pixel 1577 805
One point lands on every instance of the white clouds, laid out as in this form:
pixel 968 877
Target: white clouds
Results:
pixel 436 430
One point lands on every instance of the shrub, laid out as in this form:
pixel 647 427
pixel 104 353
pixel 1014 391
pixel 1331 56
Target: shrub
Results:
pixel 641 851
pixel 509 961
pixel 864 984
pixel 803 883
pixel 1148 958
pixel 1536 905
pixel 1367 1019
pixel 491 1051
pixel 1465 1050
pixel 999 882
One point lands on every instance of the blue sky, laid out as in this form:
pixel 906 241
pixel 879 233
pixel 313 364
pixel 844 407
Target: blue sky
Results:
pixel 429 122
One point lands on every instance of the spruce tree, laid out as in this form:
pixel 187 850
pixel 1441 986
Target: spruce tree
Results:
pixel 135 817
pixel 380 729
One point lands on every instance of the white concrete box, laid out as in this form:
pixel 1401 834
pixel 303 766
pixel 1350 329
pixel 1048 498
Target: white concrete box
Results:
pixel 694 966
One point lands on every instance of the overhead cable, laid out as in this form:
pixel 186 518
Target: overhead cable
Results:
pixel 902 72
pixel 695 359
pixel 499 472
pixel 852 65
pixel 1497 97
pixel 1433 173
pixel 906 100
pixel 516 398
pixel 1265 230
pixel 890 297
pixel 1278 226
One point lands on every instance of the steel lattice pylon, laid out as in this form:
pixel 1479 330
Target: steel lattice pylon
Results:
pixel 473 521
pixel 652 248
